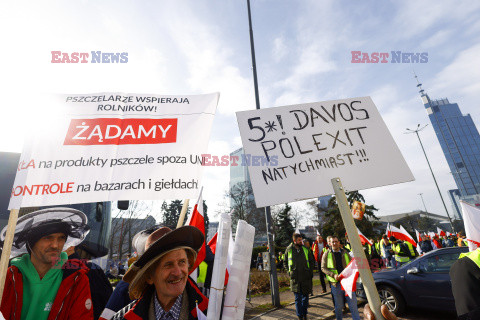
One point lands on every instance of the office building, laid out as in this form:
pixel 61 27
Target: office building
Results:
pixel 460 143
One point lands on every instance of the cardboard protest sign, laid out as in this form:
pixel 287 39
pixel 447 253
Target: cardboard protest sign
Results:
pixel 113 146
pixel 295 150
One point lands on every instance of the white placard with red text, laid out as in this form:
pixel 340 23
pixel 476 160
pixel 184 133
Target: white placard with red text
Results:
pixel 115 146
pixel 296 150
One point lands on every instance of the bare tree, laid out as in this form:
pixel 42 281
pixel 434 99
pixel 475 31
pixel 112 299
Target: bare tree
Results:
pixel 242 204
pixel 126 223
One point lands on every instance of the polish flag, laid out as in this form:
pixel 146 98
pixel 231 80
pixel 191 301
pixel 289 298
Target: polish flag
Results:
pixel 471 219
pixel 363 239
pixel 213 243
pixel 401 234
pixel 197 220
pixel 432 234
pixel 410 238
pixel 348 278
pixel 448 234
pixel 419 237
pixel 441 232
pixel 200 314
pixel 387 232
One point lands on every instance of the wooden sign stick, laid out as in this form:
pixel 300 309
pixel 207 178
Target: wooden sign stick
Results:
pixel 7 248
pixel 183 213
pixel 358 253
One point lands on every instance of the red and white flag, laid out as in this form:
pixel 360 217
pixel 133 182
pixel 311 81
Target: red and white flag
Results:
pixel 213 243
pixel 431 234
pixel 419 237
pixel 409 237
pixel 200 314
pixel 471 219
pixel 363 239
pixel 401 234
pixel 348 278
pixel 441 232
pixel 197 220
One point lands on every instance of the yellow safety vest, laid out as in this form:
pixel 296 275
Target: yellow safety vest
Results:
pixel 410 247
pixel 290 261
pixel 331 265
pixel 396 249
pixel 202 272
pixel 474 256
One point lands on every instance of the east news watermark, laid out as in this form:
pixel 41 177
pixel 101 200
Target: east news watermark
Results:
pixel 389 57
pixel 89 57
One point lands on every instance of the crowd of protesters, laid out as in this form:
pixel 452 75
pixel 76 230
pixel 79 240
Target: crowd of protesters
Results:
pixel 52 276
pixel 330 257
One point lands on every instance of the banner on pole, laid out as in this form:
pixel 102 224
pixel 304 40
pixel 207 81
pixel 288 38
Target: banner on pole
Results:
pixel 294 151
pixel 114 146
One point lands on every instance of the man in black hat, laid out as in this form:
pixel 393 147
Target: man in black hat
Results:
pixel 41 284
pixel 159 279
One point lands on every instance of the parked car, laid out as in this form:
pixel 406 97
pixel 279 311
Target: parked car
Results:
pixel 423 282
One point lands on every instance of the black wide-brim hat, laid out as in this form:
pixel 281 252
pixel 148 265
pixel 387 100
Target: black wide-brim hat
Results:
pixel 35 225
pixel 158 244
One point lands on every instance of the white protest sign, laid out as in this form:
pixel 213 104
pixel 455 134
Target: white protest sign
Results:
pixel 115 146
pixel 295 150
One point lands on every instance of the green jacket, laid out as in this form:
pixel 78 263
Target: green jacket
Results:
pixel 300 269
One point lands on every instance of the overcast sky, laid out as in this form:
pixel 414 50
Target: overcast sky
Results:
pixel 303 52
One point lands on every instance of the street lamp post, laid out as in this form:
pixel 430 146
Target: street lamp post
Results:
pixel 429 166
pixel 274 287
pixel 421 196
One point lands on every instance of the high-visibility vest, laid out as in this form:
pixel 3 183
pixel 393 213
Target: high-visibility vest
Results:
pixel 331 265
pixel 410 247
pixel 290 259
pixel 396 249
pixel 474 256
pixel 202 273
pixel 348 247
pixel 377 246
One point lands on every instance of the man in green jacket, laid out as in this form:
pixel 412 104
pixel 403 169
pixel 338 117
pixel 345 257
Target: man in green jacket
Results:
pixel 300 263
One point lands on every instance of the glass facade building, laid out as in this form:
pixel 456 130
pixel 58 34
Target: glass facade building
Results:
pixel 460 143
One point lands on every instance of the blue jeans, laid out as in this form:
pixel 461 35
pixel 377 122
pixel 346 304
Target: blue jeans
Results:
pixel 338 296
pixel 301 304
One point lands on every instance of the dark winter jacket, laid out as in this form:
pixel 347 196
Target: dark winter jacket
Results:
pixel 426 246
pixel 465 277
pixel 143 308
pixel 301 269
pixel 100 287
pixel 73 299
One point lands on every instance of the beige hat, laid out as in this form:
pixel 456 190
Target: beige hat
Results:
pixel 158 244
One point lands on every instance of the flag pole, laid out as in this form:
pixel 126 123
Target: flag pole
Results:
pixel 7 248
pixel 181 218
pixel 274 288
pixel 358 253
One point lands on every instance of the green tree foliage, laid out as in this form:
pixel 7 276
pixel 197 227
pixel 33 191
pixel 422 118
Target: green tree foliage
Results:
pixel 172 213
pixel 334 223
pixel 284 227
